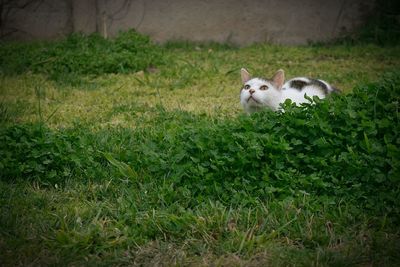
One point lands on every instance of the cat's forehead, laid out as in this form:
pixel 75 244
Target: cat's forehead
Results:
pixel 257 82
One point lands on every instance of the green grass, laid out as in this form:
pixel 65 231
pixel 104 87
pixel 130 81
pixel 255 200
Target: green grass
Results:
pixel 158 165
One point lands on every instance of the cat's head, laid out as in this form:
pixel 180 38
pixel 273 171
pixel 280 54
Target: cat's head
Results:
pixel 258 93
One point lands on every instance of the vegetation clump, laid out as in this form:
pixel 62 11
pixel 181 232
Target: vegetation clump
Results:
pixel 81 55
pixel 346 147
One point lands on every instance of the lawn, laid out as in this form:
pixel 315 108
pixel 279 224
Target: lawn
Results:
pixel 129 153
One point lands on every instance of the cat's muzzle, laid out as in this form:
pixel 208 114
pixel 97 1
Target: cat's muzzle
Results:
pixel 252 98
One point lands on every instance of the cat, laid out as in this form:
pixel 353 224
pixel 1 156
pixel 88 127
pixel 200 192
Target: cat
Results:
pixel 258 93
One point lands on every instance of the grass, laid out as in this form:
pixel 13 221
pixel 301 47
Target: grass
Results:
pixel 199 81
pixel 112 170
pixel 110 222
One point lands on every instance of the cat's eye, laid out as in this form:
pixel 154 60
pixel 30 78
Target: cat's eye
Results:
pixel 247 87
pixel 264 87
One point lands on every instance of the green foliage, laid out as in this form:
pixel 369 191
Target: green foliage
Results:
pixel 344 147
pixel 81 55
pixel 347 147
pixel 122 167
pixel 34 152
pixel 199 46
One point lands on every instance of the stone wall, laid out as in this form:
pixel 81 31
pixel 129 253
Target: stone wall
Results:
pixel 237 21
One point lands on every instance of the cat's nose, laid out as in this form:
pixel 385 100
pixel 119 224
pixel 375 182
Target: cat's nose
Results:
pixel 252 91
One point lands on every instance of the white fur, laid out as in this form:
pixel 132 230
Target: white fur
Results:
pixel 260 99
pixel 273 96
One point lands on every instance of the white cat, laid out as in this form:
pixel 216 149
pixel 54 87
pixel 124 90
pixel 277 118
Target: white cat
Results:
pixel 258 93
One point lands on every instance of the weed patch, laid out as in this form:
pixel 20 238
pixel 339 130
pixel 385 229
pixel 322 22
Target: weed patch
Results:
pixel 35 152
pixel 65 61
pixel 346 147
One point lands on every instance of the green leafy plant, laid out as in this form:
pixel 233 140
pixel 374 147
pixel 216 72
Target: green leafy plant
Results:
pixel 122 167
pixel 35 152
pixel 66 60
pixel 344 147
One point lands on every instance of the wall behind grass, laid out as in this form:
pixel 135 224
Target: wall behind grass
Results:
pixel 236 21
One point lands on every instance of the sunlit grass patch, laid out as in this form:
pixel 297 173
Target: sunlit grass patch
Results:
pixel 197 80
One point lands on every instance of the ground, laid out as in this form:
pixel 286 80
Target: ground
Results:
pixel 114 221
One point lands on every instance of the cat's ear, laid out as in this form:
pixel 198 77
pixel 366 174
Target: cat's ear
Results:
pixel 278 79
pixel 245 75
